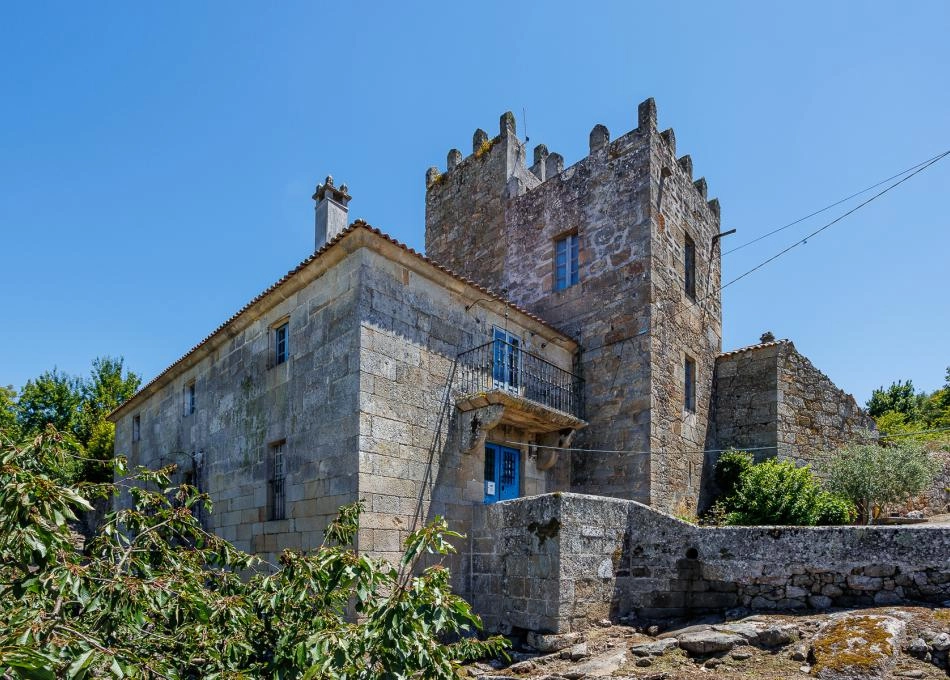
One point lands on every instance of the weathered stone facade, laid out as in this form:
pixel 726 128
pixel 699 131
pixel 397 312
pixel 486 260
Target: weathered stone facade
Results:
pixel 373 373
pixel 633 206
pixel 365 404
pixel 562 562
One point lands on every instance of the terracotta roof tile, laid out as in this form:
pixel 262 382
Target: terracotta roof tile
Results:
pixel 752 348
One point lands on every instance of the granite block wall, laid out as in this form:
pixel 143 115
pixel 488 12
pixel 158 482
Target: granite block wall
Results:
pixel 245 404
pixel 632 205
pixel 412 465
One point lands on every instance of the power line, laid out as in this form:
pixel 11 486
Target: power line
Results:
pixel 829 224
pixel 567 448
pixel 658 451
pixel 832 205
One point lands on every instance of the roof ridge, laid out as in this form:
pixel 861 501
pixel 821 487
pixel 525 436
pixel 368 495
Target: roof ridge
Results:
pixel 758 345
pixel 354 226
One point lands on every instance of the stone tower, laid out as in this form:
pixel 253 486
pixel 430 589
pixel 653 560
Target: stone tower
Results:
pixel 645 306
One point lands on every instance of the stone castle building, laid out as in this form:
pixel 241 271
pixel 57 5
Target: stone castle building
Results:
pixel 562 333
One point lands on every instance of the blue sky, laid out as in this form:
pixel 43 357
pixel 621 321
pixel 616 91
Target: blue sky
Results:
pixel 157 159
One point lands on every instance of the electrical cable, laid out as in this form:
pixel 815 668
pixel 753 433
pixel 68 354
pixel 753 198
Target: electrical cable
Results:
pixel 832 205
pixel 829 224
pixel 738 448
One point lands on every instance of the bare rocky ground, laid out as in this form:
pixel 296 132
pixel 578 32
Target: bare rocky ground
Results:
pixel 888 642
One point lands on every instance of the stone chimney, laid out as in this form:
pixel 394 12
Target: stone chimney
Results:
pixel 331 211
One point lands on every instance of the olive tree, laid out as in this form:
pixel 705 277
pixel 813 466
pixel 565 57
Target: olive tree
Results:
pixel 874 476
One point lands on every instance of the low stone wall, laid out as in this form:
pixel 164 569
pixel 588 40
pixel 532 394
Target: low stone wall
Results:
pixel 563 561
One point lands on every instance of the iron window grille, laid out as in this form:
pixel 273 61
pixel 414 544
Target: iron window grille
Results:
pixel 278 479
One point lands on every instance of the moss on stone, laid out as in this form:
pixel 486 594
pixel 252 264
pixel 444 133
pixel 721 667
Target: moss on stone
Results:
pixel 485 147
pixel 853 642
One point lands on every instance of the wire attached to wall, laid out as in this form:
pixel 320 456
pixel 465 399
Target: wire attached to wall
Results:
pixel 853 210
pixel 738 448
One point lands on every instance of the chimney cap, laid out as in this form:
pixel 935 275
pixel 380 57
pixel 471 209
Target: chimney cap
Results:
pixel 339 195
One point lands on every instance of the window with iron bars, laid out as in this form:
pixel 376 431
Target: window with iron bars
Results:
pixel 277 482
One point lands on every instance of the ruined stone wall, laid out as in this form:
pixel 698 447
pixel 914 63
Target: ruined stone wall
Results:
pixel 814 415
pixel 245 403
pixel 771 398
pixel 614 558
pixel 745 400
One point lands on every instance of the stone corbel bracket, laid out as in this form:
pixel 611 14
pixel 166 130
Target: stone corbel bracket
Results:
pixel 546 457
pixel 475 425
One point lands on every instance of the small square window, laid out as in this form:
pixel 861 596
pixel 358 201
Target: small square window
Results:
pixel 566 270
pixel 689 385
pixel 189 399
pixel 689 268
pixel 281 343
pixel 136 428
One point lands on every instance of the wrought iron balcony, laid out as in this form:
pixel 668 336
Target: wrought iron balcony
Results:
pixel 505 367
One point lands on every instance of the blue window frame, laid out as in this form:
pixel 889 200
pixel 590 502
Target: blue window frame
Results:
pixel 506 360
pixel 566 262
pixel 282 342
pixel 502 473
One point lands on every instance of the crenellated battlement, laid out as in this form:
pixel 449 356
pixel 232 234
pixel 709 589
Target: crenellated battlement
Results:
pixel 511 153
pixel 615 250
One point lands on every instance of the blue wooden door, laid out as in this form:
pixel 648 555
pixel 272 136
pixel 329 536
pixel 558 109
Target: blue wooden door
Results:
pixel 502 473
pixel 506 360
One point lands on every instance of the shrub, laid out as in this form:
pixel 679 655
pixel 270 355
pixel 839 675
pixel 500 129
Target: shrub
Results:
pixel 778 492
pixel 156 596
pixel 872 476
pixel 729 469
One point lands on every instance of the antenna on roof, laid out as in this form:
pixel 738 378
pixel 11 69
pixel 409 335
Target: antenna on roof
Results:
pixel 524 119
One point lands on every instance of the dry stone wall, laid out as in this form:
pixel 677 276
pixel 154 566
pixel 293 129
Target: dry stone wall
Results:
pixel 813 414
pixel 616 558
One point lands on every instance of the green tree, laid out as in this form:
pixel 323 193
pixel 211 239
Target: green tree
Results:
pixel 8 424
pixel 899 397
pixel 51 399
pixel 873 476
pixel 155 596
pixel 108 386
